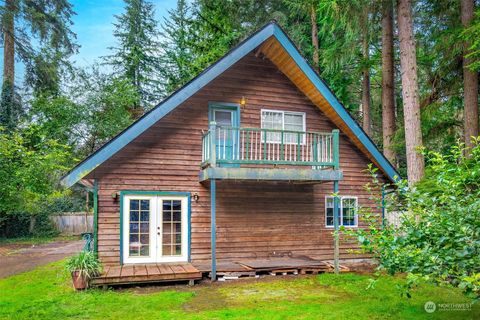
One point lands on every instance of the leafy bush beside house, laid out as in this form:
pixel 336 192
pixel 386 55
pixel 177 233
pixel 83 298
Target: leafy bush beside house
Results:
pixel 30 166
pixel 439 235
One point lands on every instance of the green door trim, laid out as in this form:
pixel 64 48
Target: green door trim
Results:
pixel 227 106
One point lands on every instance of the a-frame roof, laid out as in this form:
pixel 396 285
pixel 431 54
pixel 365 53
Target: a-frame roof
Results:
pixel 273 43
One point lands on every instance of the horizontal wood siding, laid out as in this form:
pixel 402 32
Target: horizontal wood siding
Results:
pixel 254 219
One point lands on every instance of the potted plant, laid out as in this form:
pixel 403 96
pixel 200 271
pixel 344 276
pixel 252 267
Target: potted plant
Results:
pixel 83 267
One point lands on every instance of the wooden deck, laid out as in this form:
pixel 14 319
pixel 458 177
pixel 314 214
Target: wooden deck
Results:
pixel 270 265
pixel 143 273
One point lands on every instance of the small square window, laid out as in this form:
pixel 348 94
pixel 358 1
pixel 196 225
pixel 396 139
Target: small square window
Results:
pixel 348 211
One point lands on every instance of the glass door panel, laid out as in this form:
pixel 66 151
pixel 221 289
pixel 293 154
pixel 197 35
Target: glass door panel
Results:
pixel 224 120
pixel 172 227
pixel 139 235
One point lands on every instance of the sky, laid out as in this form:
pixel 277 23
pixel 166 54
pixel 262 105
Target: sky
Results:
pixel 93 25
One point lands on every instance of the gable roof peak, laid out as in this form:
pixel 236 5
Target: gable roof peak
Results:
pixel 271 29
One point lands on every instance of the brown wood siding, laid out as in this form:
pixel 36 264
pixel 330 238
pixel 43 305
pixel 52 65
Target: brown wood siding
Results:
pixel 254 219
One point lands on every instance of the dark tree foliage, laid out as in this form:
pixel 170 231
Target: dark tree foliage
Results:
pixel 136 56
pixel 197 35
pixel 29 25
pixel 10 107
pixel 176 47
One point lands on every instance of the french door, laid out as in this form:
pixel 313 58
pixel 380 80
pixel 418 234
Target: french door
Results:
pixel 155 228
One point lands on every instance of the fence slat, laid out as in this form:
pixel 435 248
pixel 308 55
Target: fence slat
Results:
pixel 73 223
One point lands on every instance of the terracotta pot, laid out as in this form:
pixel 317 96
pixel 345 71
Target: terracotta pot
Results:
pixel 79 282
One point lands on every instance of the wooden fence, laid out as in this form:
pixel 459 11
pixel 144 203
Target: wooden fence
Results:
pixel 73 223
pixel 394 218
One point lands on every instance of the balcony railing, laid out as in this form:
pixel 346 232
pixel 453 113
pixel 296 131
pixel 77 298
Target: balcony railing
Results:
pixel 234 146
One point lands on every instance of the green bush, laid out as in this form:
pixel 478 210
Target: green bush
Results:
pixel 30 167
pixel 439 234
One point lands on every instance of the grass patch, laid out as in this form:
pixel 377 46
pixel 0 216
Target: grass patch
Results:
pixel 46 293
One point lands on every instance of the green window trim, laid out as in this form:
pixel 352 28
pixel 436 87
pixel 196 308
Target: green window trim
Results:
pixel 341 201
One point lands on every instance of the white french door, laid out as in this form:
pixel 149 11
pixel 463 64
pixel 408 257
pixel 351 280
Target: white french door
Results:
pixel 155 228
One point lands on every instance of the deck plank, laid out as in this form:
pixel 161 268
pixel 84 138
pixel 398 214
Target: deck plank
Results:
pixel 127 271
pixel 274 262
pixel 165 269
pixel 189 268
pixel 140 270
pixel 152 270
pixel 105 272
pixel 142 273
pixel 114 272
pixel 178 271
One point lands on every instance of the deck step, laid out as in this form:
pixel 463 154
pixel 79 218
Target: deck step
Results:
pixel 146 273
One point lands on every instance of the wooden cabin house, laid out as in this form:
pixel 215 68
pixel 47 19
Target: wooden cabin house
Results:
pixel 240 164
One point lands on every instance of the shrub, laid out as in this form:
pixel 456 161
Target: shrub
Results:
pixel 439 234
pixel 30 167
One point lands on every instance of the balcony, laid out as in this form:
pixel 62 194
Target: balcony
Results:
pixel 268 154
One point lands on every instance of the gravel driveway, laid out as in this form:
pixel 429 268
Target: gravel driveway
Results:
pixel 16 258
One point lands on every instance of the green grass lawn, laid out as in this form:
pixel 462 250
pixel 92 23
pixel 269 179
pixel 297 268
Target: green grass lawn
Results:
pixel 46 293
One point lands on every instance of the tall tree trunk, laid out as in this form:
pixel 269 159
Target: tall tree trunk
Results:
pixel 388 81
pixel 8 112
pixel 366 99
pixel 9 43
pixel 411 102
pixel 470 81
pixel 313 21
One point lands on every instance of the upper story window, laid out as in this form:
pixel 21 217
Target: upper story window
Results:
pixel 283 120
pixel 348 211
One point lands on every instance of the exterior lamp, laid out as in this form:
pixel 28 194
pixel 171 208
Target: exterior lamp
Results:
pixel 243 102
pixel 196 197
pixel 115 196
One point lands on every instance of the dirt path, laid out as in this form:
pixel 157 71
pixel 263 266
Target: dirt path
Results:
pixel 20 258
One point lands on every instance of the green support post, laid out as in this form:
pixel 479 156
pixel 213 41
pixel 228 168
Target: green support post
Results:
pixel 248 144
pixel 213 229
pixel 213 142
pixel 95 216
pixel 336 244
pixel 383 207
pixel 298 147
pixel 282 147
pixel 264 145
pixel 336 148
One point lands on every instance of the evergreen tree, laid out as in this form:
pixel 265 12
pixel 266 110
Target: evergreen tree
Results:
pixel 470 80
pixel 366 93
pixel 10 107
pixel 388 81
pixel 198 35
pixel 308 8
pixel 410 91
pixel 136 55
pixel 177 55
pixel 24 24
